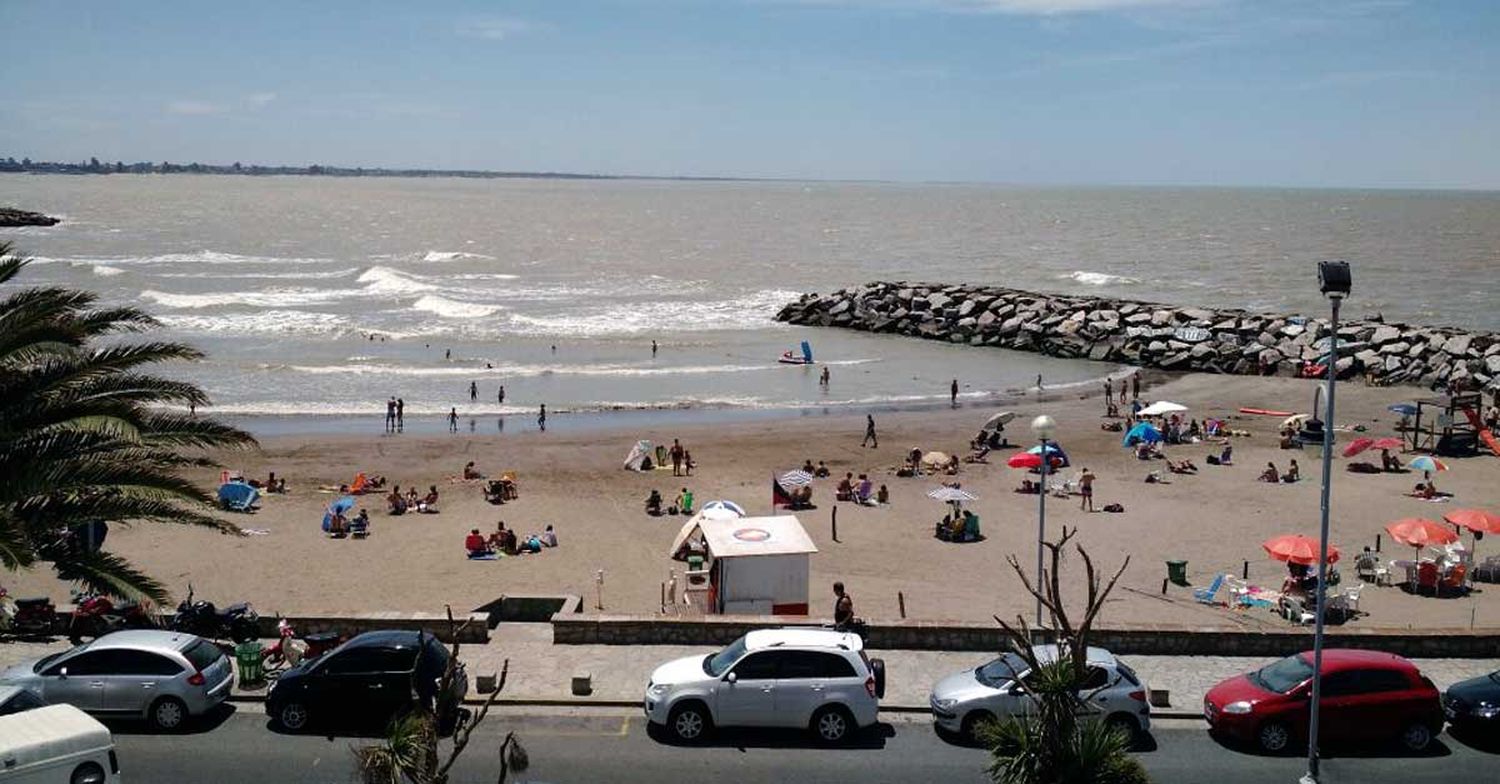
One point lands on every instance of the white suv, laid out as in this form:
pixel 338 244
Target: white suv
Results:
pixel 814 678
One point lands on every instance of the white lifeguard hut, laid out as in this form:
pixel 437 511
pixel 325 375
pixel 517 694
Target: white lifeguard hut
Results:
pixel 746 565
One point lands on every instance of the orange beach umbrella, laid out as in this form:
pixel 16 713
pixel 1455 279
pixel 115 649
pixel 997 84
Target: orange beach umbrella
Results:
pixel 1420 532
pixel 1298 549
pixel 1475 520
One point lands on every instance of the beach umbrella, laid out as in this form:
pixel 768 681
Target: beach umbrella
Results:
pixel 797 478
pixel 1162 408
pixel 1024 460
pixel 951 494
pixel 1404 409
pixel 1420 532
pixel 1297 549
pixel 1477 520
pixel 1358 445
pixel 1143 431
pixel 1037 450
pixel 1388 442
pixel 722 510
pixel 1002 418
pixel 341 505
pixel 1427 464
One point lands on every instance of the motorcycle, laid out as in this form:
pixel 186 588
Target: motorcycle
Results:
pixel 26 616
pixel 288 651
pixel 237 622
pixel 95 615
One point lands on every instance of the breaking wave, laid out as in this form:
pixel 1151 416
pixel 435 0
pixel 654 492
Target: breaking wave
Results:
pixel 269 322
pixel 450 308
pixel 1100 278
pixel 755 311
pixel 384 280
pixel 451 255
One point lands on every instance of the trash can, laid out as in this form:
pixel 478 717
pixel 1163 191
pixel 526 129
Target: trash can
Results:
pixel 1177 572
pixel 252 671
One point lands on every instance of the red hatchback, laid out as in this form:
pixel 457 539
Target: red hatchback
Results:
pixel 1367 696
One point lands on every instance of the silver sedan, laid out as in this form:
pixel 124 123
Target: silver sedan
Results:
pixel 160 676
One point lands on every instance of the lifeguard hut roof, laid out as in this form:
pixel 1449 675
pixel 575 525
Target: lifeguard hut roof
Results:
pixel 745 536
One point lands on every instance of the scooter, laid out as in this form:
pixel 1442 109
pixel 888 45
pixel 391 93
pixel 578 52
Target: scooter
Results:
pixel 237 622
pixel 95 615
pixel 288 651
pixel 26 616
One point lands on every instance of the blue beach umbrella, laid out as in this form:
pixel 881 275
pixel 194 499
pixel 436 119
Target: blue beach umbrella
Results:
pixel 1143 431
pixel 341 506
pixel 237 495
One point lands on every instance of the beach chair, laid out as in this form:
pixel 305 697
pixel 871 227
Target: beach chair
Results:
pixel 1239 591
pixel 1292 610
pixel 1427 577
pixel 1206 594
pixel 358 529
pixel 1350 597
pixel 1488 571
pixel 1453 581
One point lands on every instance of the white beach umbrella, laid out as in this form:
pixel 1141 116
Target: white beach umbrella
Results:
pixel 1162 408
pixel 951 494
pixel 1002 418
pixel 797 478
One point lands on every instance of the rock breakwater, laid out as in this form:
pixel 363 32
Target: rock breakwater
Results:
pixel 12 217
pixel 1155 335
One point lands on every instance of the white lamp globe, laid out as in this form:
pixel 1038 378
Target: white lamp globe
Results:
pixel 1044 427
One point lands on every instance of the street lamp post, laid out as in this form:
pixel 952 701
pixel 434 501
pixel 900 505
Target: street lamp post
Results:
pixel 1044 428
pixel 1334 282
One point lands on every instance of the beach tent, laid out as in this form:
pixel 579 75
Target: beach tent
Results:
pixel 639 458
pixel 1059 457
pixel 341 507
pixel 237 496
pixel 1143 431
pixel 756 565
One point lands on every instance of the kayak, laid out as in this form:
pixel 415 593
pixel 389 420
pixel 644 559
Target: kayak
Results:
pixel 1265 412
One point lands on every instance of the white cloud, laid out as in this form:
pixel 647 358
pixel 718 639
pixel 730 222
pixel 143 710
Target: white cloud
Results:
pixel 497 28
pixel 195 108
pixel 259 100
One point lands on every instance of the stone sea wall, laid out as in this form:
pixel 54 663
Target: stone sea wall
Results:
pixel 1154 335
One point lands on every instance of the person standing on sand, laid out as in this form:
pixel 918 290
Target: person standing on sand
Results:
pixel 953 393
pixel 453 420
pixel 1135 385
pixel 400 414
pixel 541 418
pixel 676 453
pixel 1109 390
pixel 473 391
pixel 1039 383
pixel 870 432
pixel 1086 489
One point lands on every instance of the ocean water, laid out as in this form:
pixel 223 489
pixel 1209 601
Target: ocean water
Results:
pixel 319 297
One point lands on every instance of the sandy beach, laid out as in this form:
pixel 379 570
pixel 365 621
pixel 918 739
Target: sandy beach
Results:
pixel 574 481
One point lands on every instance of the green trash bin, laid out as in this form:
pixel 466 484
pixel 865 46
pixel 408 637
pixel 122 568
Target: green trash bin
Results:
pixel 248 656
pixel 1177 572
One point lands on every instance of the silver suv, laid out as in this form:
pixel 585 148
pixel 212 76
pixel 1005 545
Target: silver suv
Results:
pixel 814 678
pixel 961 702
pixel 162 677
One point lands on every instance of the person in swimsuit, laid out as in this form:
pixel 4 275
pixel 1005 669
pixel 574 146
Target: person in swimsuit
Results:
pixel 1086 489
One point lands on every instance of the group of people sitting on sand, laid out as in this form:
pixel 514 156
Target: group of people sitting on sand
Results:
pixel 861 491
pixel 985 442
pixel 1293 473
pixel 357 527
pixel 1426 490
pixel 914 464
pixel 271 485
pixel 682 505
pixel 821 472
pixel 504 541
pixel 398 504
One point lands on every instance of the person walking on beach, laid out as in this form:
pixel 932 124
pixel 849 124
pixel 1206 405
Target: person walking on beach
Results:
pixel 541 418
pixel 953 393
pixel 500 398
pixel 400 414
pixel 1086 490
pixel 676 453
pixel 1039 383
pixel 843 607
pixel 473 391
pixel 453 420
pixel 447 353
pixel 1109 390
pixel 390 415
pixel 823 380
pixel 653 349
pixel 870 432
pixel 1135 385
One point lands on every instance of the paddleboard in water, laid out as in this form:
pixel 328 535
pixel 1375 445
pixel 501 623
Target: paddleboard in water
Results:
pixel 788 358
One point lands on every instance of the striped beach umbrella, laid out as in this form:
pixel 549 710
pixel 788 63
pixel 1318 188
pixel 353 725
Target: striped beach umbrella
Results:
pixel 1427 464
pixel 951 494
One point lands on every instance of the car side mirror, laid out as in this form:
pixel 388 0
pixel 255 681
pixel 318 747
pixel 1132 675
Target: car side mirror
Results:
pixel 731 678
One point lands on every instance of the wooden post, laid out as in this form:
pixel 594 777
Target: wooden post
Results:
pixel 664 598
pixel 1164 587
pixel 901 601
pixel 835 523
pixel 1377 543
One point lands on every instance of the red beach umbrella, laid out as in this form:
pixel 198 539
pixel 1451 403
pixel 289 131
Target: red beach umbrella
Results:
pixel 1024 460
pixel 1388 442
pixel 1298 549
pixel 1475 520
pixel 1420 532
pixel 1358 445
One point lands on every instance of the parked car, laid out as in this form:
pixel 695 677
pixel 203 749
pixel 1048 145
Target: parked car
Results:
pixel 1366 696
pixel 965 700
pixel 1474 703
pixel 14 699
pixel 160 676
pixel 819 679
pixel 367 680
pixel 56 743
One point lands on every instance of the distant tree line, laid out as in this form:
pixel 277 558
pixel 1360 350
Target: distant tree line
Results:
pixel 95 166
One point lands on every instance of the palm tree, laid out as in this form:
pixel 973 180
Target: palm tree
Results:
pixel 86 435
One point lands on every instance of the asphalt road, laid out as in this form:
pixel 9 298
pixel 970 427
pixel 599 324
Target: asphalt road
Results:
pixel 570 745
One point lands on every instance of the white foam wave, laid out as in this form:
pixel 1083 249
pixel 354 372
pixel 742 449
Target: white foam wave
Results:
pixel 269 322
pixel 1100 278
pixel 754 311
pixel 195 257
pixel 387 281
pixel 451 255
pixel 267 298
pixel 330 275
pixel 452 308
pixel 525 371
pixel 105 272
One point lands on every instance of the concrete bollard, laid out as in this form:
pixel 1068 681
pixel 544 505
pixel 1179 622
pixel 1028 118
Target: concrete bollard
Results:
pixel 583 684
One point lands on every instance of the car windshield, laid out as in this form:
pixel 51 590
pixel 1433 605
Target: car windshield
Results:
pixel 1283 676
pixel 1001 671
pixel 719 663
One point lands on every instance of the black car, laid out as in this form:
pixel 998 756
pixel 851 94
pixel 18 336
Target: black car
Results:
pixel 368 680
pixel 1474 703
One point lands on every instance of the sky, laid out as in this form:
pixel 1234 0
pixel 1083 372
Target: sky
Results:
pixel 1302 93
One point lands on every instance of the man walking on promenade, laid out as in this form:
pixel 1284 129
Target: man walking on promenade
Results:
pixel 870 438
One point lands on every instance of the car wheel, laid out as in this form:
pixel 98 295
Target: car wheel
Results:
pixel 88 773
pixel 293 716
pixel 167 714
pixel 689 722
pixel 973 722
pixel 1125 725
pixel 1417 736
pixel 833 724
pixel 1273 736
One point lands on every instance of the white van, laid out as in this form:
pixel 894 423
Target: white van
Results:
pixel 58 744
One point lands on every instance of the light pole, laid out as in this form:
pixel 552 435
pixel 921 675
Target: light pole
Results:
pixel 1044 428
pixel 1334 282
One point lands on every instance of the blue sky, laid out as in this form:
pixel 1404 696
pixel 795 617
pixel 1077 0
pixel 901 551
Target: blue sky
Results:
pixel 1221 92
